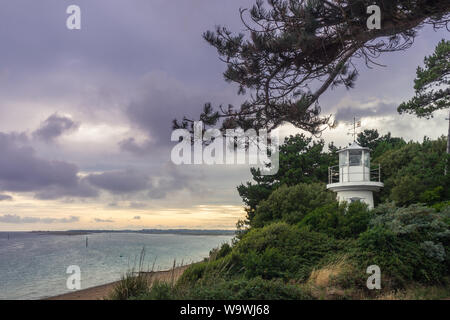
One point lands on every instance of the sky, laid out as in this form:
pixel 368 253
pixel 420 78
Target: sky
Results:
pixel 85 115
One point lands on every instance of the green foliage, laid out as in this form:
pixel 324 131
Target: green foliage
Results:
pixel 301 161
pixel 242 288
pixel 212 268
pixel 408 244
pixel 339 220
pixel 378 144
pixel 431 84
pixel 291 204
pixel 283 251
pixel 131 285
pixel 237 288
pixel 159 290
pixel 414 173
pixel 220 252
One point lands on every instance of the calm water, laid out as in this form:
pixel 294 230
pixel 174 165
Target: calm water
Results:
pixel 34 266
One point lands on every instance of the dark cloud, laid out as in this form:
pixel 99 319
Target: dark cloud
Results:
pixel 55 126
pixel 160 100
pixel 130 145
pixel 379 110
pixel 10 218
pixel 22 171
pixel 119 182
pixel 103 220
pixel 174 178
pixel 82 189
pixel 137 218
pixel 4 197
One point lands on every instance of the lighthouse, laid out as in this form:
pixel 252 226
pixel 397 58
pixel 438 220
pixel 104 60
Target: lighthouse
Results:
pixel 354 179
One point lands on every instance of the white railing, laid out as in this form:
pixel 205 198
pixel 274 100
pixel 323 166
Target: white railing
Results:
pixel 335 172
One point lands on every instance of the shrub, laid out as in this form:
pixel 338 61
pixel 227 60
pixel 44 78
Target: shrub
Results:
pixel 291 204
pixel 407 244
pixel 220 252
pixel 283 251
pixel 241 288
pixel 339 220
pixel 237 288
pixel 159 290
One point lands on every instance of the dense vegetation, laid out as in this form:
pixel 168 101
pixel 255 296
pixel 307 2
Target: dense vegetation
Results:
pixel 298 242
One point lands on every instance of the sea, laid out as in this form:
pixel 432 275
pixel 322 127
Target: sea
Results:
pixel 35 266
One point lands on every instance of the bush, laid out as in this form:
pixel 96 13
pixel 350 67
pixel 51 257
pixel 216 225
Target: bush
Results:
pixel 408 244
pixel 241 288
pixel 221 252
pixel 339 220
pixel 291 204
pixel 237 288
pixel 283 251
pixel 159 291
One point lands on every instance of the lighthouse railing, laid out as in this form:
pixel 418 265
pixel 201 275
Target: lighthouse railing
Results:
pixel 341 173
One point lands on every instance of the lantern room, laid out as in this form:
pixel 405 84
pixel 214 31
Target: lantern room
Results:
pixel 354 179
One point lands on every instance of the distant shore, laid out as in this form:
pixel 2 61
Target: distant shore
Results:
pixel 193 232
pixel 102 292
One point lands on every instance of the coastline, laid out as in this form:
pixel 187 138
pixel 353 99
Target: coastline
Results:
pixel 102 292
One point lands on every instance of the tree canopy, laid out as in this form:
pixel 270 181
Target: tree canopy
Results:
pixel 292 51
pixel 432 84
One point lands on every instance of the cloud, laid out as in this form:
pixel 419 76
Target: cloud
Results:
pixel 9 218
pixel 137 218
pixel 173 178
pixel 55 126
pixel 158 100
pixel 130 145
pixel 369 109
pixel 119 182
pixel 4 197
pixel 21 170
pixel 137 205
pixel 103 220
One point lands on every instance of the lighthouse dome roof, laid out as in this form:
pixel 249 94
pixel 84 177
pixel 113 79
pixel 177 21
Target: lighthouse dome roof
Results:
pixel 354 146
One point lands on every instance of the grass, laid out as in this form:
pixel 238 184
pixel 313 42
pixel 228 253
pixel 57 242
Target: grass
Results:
pixel 138 282
pixel 132 283
pixel 418 292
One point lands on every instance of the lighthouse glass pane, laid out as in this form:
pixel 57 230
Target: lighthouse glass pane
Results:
pixel 367 159
pixel 355 157
pixel 343 158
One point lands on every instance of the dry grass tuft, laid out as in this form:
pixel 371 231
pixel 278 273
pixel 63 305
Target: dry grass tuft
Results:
pixel 324 277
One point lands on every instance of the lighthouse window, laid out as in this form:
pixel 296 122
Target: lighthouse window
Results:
pixel 367 159
pixel 343 158
pixel 355 199
pixel 355 157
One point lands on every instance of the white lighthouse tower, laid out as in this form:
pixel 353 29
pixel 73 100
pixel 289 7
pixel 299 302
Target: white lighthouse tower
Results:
pixel 353 179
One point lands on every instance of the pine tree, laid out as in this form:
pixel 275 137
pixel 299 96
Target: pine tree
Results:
pixel 432 86
pixel 292 51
